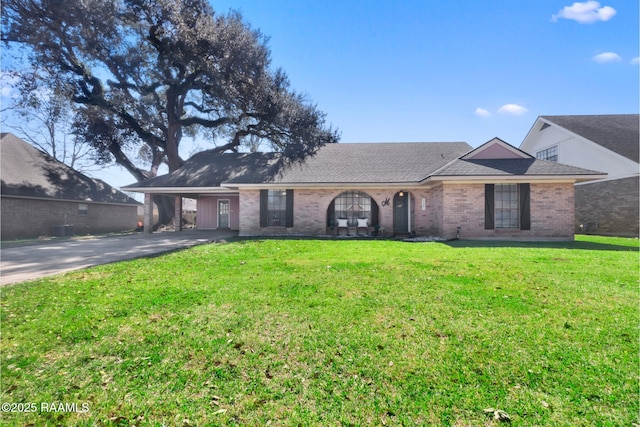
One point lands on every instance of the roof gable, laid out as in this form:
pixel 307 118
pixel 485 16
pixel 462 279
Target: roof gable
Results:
pixel 29 172
pixel 496 158
pixel 619 133
pixel 515 168
pixel 496 149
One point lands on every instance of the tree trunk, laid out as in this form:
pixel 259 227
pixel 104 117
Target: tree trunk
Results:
pixel 166 205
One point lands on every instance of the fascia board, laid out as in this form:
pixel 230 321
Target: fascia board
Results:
pixel 535 126
pixel 181 190
pixel 321 185
pixel 516 178
pixel 51 199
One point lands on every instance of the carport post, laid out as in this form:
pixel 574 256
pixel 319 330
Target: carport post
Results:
pixel 178 214
pixel 148 213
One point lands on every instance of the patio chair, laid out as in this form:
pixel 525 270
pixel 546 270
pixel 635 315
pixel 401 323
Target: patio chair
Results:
pixel 363 223
pixel 342 223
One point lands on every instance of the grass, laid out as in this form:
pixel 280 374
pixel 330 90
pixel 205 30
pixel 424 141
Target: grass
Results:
pixel 307 332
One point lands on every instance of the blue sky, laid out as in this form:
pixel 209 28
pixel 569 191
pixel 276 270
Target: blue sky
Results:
pixel 445 70
pixel 442 70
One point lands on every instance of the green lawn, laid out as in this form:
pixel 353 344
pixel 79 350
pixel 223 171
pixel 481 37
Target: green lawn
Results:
pixel 310 332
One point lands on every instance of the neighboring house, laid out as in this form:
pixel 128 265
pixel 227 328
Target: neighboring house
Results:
pixel 608 143
pixel 41 196
pixel 432 189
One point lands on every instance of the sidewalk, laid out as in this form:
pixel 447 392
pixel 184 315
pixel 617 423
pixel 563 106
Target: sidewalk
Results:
pixel 34 261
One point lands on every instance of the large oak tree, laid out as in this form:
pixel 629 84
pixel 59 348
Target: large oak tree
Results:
pixel 145 73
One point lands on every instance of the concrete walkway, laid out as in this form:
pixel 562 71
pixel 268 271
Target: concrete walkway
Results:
pixel 33 261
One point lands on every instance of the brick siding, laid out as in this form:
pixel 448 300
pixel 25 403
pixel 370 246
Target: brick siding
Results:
pixel 608 207
pixel 447 207
pixel 310 210
pixel 552 213
pixel 30 218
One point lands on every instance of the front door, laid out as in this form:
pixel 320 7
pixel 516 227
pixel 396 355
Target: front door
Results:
pixel 401 213
pixel 223 213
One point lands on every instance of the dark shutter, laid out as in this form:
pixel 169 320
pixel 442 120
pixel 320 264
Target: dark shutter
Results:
pixel 289 212
pixel 489 203
pixel 375 213
pixel 525 211
pixel 264 208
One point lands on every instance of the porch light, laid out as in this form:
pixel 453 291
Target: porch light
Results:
pixel 401 193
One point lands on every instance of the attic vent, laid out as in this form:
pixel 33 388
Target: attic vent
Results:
pixel 544 126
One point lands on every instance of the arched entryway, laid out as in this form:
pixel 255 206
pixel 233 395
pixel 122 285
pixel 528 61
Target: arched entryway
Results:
pixel 401 213
pixel 351 206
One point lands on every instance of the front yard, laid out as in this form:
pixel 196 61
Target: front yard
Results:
pixel 309 332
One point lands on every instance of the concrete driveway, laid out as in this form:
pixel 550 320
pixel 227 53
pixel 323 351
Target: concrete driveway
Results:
pixel 33 261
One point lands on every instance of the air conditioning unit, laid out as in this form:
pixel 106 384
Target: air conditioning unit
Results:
pixel 62 230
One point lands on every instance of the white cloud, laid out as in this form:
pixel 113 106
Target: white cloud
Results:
pixel 481 112
pixel 7 84
pixel 605 57
pixel 635 61
pixel 587 12
pixel 512 109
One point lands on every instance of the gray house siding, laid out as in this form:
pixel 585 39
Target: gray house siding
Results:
pixel 32 218
pixel 608 207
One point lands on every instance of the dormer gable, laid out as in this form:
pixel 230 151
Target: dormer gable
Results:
pixel 496 149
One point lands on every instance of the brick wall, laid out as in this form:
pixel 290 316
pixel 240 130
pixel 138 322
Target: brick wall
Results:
pixel 30 218
pixel 427 222
pixel 310 210
pixel 447 207
pixel 608 207
pixel 552 213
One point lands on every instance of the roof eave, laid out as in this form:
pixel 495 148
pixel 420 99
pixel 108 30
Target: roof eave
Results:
pixel 182 190
pixel 322 185
pixel 516 178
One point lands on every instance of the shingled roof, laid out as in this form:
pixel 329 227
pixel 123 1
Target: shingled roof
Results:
pixel 28 172
pixel 619 133
pixel 511 167
pixel 372 163
pixel 354 163
pixel 332 164
pixel 209 169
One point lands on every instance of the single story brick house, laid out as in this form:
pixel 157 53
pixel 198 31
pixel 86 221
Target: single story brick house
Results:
pixel 42 196
pixel 495 191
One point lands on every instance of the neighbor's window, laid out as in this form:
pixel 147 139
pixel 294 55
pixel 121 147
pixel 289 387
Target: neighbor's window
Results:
pixel 550 154
pixel 506 205
pixel 83 209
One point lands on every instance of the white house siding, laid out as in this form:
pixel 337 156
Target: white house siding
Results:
pixel 576 151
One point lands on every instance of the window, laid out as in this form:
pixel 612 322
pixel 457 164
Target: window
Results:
pixel 353 205
pixel 276 208
pixel 550 154
pixel 83 209
pixel 507 206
